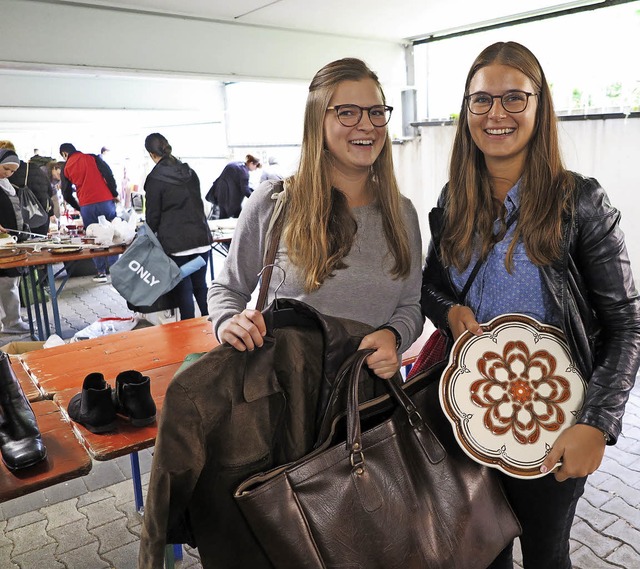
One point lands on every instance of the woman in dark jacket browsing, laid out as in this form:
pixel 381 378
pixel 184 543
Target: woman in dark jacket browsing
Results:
pixel 232 186
pixel 175 213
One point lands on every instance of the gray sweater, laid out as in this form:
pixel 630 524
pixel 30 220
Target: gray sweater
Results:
pixel 365 291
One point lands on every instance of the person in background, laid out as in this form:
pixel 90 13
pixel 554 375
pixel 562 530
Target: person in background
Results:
pixel 350 244
pixel 10 218
pixel 31 175
pixel 53 172
pixel 232 186
pixel 96 191
pixel 175 213
pixel 551 247
pixel 105 154
pixel 272 171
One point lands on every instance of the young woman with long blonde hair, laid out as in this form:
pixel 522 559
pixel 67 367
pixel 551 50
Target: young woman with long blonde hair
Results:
pixel 350 245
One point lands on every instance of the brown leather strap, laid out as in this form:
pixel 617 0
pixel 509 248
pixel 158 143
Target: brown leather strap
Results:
pixel 270 257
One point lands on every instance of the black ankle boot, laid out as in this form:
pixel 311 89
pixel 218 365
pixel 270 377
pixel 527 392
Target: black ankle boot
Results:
pixel 20 441
pixel 93 407
pixel 132 398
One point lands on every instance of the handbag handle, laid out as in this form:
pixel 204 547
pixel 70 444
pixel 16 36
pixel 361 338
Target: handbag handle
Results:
pixel 432 447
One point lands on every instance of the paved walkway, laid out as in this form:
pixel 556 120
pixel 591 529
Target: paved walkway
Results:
pixel 91 522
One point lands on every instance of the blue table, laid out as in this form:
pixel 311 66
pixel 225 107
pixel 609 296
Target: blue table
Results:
pixel 38 290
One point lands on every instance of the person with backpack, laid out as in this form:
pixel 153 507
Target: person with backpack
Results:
pixel 29 174
pixel 96 192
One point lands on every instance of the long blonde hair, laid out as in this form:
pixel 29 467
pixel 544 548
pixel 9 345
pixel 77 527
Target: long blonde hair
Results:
pixel 320 228
pixel 545 187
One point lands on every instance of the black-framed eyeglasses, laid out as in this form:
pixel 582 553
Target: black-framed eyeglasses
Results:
pixel 351 115
pixel 515 101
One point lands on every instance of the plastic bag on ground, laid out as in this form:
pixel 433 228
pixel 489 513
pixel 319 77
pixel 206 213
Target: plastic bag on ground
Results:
pixel 105 326
pixel 53 341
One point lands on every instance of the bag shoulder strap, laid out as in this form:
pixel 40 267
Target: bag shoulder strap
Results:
pixel 476 268
pixel 274 231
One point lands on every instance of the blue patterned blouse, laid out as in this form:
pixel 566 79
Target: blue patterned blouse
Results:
pixel 494 291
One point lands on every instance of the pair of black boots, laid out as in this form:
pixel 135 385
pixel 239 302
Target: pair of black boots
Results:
pixel 21 444
pixel 98 404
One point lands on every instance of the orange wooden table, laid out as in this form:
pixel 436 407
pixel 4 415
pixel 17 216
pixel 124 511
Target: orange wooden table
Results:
pixel 66 459
pixel 156 351
pixel 147 350
pixel 30 389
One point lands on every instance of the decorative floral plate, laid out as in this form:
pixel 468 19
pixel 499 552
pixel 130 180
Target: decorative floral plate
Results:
pixel 510 392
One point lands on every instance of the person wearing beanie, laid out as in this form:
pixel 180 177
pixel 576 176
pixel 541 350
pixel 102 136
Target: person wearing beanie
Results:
pixel 95 189
pixel 10 218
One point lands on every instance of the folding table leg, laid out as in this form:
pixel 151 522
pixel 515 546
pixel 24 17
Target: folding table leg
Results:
pixel 53 292
pixel 137 482
pixel 25 295
pixel 42 332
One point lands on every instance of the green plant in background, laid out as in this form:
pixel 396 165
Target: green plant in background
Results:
pixel 613 93
pixel 614 90
pixel 635 98
pixel 576 98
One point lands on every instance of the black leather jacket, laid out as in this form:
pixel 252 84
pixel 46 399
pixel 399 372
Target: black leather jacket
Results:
pixel 594 291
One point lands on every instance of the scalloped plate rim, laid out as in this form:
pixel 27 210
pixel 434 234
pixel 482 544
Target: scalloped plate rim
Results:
pixel 460 421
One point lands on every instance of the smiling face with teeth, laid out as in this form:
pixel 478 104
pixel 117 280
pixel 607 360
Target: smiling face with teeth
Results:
pixel 501 136
pixel 353 149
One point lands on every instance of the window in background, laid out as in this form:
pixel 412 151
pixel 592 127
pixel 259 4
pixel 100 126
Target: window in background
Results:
pixel 591 61
pixel 266 119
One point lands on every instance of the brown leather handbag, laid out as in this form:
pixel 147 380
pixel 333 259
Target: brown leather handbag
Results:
pixel 388 488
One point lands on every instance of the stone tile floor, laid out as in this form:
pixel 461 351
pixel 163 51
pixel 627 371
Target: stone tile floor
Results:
pixel 91 522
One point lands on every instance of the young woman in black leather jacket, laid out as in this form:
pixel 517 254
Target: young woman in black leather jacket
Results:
pixel 563 261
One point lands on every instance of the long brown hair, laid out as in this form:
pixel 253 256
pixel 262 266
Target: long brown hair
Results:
pixel 545 186
pixel 320 228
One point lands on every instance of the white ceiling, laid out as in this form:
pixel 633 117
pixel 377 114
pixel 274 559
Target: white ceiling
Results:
pixel 392 20
pixel 386 20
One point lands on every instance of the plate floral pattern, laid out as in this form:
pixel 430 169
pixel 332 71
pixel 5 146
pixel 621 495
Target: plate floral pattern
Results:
pixel 510 392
